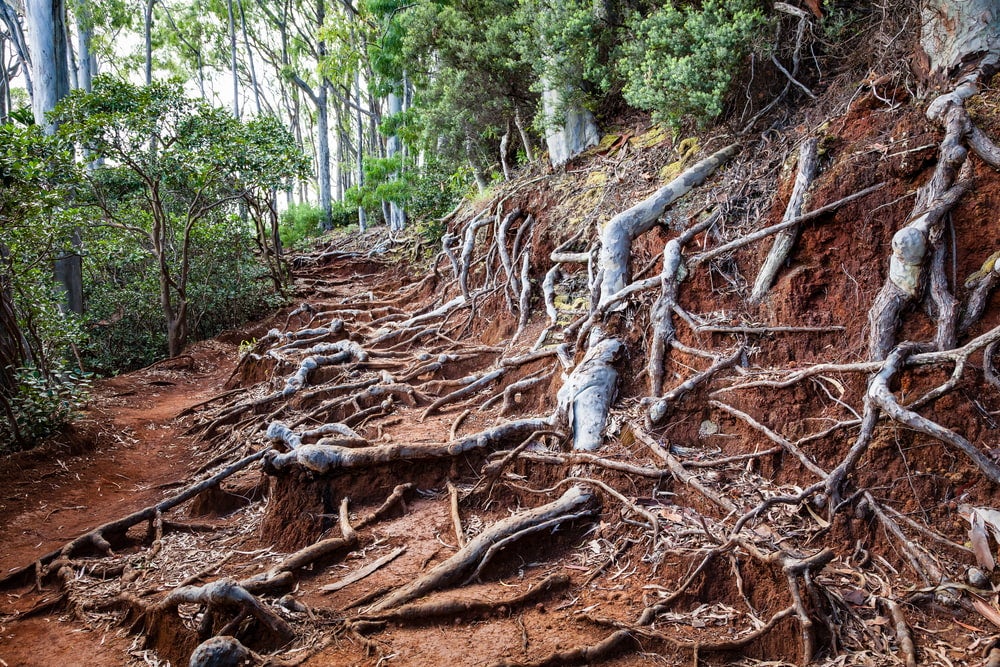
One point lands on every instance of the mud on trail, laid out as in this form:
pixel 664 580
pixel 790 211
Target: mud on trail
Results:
pixel 494 457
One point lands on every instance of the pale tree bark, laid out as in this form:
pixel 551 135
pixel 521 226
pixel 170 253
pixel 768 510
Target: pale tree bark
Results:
pixel 86 61
pixel 50 72
pixel 4 82
pixel 397 216
pixel 362 218
pixel 233 59
pixel 959 35
pixel 571 129
pixel 16 34
pixel 49 69
pixel 250 60
pixel 318 96
pixel 960 46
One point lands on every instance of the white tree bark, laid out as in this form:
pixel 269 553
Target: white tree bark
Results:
pixel 573 129
pixel 618 234
pixel 397 216
pixel 958 33
pixel 49 70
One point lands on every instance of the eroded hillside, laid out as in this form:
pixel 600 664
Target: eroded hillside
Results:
pixel 577 434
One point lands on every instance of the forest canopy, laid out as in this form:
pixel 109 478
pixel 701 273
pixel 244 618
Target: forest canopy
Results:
pixel 148 200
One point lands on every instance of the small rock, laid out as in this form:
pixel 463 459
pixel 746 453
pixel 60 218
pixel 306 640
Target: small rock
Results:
pixel 977 578
pixel 707 428
pixel 221 651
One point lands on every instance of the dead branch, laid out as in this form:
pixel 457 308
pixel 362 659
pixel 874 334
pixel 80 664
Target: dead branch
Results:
pixel 456 515
pixel 708 255
pixel 788 446
pixel 360 574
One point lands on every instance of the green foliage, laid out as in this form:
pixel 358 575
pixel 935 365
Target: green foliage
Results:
pixel 42 405
pixel 568 45
pixel 37 177
pixel 680 62
pixel 175 175
pixel 300 222
pixel 124 319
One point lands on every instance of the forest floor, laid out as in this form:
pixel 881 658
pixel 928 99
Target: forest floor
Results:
pixel 707 537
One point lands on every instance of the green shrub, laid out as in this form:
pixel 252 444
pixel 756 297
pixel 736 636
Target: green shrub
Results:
pixel 42 406
pixel 299 222
pixel 681 60
pixel 228 286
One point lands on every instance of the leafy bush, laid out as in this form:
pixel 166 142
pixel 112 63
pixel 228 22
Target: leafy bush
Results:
pixel 681 60
pixel 42 406
pixel 299 222
pixel 228 286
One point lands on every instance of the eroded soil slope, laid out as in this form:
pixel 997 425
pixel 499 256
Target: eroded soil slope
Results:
pixel 388 475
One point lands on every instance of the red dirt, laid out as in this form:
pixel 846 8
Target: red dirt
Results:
pixel 130 452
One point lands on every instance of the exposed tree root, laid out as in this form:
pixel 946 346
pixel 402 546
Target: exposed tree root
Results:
pixel 784 240
pixel 99 538
pixel 574 503
pixel 324 459
pixel 423 612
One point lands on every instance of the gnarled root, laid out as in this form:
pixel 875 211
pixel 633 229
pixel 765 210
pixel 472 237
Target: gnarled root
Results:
pixel 573 504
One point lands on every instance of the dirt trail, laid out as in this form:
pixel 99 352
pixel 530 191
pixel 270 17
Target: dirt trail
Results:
pixel 127 452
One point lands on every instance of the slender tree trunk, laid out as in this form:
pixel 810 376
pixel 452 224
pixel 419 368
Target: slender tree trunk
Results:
pixel 4 83
pixel 362 218
pixel 250 63
pixel 84 36
pixel 323 155
pixel 232 52
pixel 71 64
pixel 148 34
pixel 397 216
pixel 16 34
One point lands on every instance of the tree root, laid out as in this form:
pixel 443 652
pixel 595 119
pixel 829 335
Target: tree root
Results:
pixel 624 228
pixel 574 503
pixel 98 538
pixel 682 475
pixel 585 398
pixel 880 394
pixel 225 594
pixel 660 408
pixel 324 459
pixel 784 240
pixel 422 612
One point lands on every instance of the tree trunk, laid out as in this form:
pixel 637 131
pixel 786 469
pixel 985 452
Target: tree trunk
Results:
pixel 958 35
pixel 148 34
pixel 362 219
pixel 574 128
pixel 323 155
pixel 250 63
pixel 48 58
pixel 16 35
pixel 397 216
pixel 84 34
pixel 233 60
